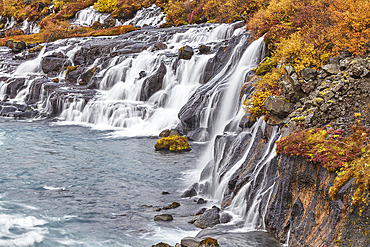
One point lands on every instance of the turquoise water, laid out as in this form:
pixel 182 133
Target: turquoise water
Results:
pixel 74 186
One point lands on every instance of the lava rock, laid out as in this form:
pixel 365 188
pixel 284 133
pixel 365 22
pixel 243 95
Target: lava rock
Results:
pixel 204 49
pixel 161 244
pixel 86 76
pixel 163 217
pixel 190 242
pixel 153 83
pixel 331 69
pixel 172 205
pixel 201 201
pixel 210 218
pixel 308 74
pixel 278 107
pixel 186 52
pixel 159 46
pixel 192 191
pixel 16 46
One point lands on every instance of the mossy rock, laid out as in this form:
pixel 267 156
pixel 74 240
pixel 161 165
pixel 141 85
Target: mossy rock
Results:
pixel 265 66
pixel 173 144
pixel 209 242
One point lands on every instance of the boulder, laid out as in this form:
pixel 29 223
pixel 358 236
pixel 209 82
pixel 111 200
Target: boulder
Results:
pixel 86 76
pixel 54 63
pixel 161 244
pixel 163 217
pixel 16 46
pixel 278 107
pixel 204 49
pixel 225 218
pixel 190 242
pixel 153 83
pixel 165 133
pixel 73 73
pixel 308 74
pixel 186 52
pixel 210 218
pixel 192 191
pixel 201 201
pixel 209 242
pixel 172 205
pixel 331 69
pixel 159 46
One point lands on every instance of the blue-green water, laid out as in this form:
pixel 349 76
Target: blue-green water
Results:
pixel 74 186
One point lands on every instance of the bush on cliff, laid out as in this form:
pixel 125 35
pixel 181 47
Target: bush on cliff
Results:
pixel 173 143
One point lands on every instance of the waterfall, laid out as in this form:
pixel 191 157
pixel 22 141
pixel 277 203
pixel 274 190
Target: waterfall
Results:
pixel 152 16
pixel 88 16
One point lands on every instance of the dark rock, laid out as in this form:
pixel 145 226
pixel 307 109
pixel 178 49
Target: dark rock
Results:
pixel 142 74
pixel 74 74
pixel 14 85
pixel 165 133
pixel 190 242
pixel 8 109
pixel 192 191
pixel 109 22
pixel 278 107
pixel 54 63
pixel 308 86
pixel 201 201
pixel 201 211
pixel 209 242
pixel 210 218
pixel 200 134
pixel 86 76
pixel 246 122
pixel 161 244
pixel 163 217
pixel 225 218
pixel 204 49
pixel 186 52
pixel 16 46
pixel 153 83
pixel 159 46
pixel 308 74
pixel 165 193
pixel 172 205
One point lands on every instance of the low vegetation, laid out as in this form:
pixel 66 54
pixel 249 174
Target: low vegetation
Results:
pixel 173 143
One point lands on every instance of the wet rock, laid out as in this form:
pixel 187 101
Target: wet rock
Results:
pixel 192 191
pixel 204 49
pixel 142 74
pixel 159 46
pixel 153 83
pixel 201 201
pixel 161 244
pixel 86 76
pixel 109 22
pixel 73 73
pixel 163 217
pixel 171 206
pixel 210 218
pixel 201 211
pixel 246 122
pixel 209 242
pixel 165 133
pixel 225 218
pixel 14 85
pixel 199 134
pixel 165 193
pixel 54 63
pixel 16 46
pixel 186 52
pixel 190 242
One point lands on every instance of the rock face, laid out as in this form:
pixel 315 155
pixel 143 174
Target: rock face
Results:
pixel 153 83
pixel 301 204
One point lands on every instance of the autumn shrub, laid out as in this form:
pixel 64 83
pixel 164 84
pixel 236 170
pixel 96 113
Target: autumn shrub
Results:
pixel 106 5
pixel 173 143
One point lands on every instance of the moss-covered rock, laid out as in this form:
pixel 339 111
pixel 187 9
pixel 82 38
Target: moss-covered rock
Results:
pixel 173 143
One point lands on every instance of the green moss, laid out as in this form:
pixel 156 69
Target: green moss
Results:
pixel 265 66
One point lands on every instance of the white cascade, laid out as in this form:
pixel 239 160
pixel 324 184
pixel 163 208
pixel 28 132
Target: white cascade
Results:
pixel 88 16
pixel 152 16
pixel 118 104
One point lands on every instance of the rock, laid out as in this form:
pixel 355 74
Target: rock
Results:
pixel 210 218
pixel 165 193
pixel 73 73
pixel 163 217
pixel 209 242
pixel 172 205
pixel 201 201
pixel 86 76
pixel 289 69
pixel 54 63
pixel 16 46
pixel 290 87
pixel 190 242
pixel 278 107
pixel 186 52
pixel 192 191
pixel 225 218
pixel 308 74
pixel 246 122
pixel 199 134
pixel 109 22
pixel 14 85
pixel 331 69
pixel 201 211
pixel 159 46
pixel 204 49
pixel 153 83
pixel 165 133
pixel 142 74
pixel 161 244
pixel 308 86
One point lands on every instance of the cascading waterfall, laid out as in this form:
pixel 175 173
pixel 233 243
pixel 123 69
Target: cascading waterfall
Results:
pixel 152 16
pixel 88 16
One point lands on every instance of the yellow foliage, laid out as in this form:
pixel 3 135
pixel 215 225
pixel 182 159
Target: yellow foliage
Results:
pixel 106 5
